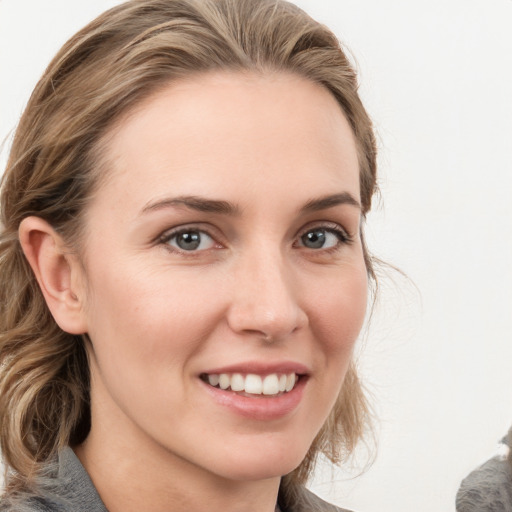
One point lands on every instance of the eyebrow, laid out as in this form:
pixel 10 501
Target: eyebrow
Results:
pixel 202 204
pixel 197 203
pixel 323 203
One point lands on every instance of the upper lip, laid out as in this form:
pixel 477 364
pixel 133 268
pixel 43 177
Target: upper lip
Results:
pixel 261 368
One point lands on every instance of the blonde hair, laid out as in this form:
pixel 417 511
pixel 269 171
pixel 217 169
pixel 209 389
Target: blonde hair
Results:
pixel 56 162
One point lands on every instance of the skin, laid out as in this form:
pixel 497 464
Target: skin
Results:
pixel 159 316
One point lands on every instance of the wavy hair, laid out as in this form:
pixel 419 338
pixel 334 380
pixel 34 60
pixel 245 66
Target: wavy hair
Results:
pixel 55 163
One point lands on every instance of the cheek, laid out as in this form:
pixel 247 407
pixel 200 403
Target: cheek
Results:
pixel 144 334
pixel 148 316
pixel 337 313
pixel 340 309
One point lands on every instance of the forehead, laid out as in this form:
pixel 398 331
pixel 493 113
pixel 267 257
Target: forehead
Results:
pixel 235 130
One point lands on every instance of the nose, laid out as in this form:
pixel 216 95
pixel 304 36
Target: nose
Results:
pixel 266 300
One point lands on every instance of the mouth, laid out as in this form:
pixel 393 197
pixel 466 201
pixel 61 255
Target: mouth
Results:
pixel 252 384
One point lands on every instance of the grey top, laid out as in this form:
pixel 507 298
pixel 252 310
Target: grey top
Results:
pixel 66 487
pixel 489 487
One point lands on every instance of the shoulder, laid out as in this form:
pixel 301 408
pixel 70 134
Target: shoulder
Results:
pixel 39 497
pixel 306 501
pixel 27 503
pixel 46 497
pixel 488 488
pixel 62 486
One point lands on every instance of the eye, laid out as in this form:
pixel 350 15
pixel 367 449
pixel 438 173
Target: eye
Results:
pixel 322 238
pixel 190 240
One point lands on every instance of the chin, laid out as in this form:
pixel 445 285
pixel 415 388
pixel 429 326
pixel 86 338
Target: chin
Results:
pixel 261 464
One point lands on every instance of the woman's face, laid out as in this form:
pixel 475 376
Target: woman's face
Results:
pixel 223 251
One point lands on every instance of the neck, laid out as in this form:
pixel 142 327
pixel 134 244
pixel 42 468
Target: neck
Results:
pixel 133 476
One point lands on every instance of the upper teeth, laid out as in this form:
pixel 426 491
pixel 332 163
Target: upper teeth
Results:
pixel 254 384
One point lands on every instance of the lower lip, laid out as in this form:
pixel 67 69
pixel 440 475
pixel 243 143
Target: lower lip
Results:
pixel 262 408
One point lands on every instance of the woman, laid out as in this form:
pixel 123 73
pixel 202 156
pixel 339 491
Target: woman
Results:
pixel 183 269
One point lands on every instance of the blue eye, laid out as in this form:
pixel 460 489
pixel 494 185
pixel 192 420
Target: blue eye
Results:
pixel 191 240
pixel 321 238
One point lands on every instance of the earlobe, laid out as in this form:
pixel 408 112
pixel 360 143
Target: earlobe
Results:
pixel 58 273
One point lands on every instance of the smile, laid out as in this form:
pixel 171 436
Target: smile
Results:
pixel 274 384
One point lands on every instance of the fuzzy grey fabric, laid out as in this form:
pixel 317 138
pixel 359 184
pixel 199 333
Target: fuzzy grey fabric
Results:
pixel 488 488
pixel 66 487
pixel 312 503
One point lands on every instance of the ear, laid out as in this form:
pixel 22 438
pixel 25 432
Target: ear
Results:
pixel 59 273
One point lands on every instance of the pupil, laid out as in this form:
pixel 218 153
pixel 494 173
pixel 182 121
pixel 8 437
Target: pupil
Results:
pixel 314 239
pixel 188 241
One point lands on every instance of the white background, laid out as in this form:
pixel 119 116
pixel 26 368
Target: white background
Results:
pixel 437 79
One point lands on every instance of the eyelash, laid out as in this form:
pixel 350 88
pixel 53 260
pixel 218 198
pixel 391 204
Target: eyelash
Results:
pixel 342 235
